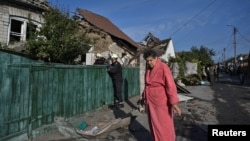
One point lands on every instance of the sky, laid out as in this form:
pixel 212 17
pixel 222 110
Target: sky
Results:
pixel 189 23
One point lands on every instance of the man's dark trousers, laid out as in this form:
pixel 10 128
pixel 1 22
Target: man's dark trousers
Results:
pixel 117 83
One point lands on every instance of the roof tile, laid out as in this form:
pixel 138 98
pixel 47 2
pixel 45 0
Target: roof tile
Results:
pixel 105 25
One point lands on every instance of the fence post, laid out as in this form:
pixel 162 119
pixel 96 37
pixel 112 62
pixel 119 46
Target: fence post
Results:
pixel 29 128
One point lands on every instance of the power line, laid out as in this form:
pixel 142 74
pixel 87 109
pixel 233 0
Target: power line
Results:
pixel 243 36
pixel 225 51
pixel 191 19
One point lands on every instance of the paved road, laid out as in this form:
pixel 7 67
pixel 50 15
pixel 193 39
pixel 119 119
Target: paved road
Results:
pixel 232 101
pixel 227 102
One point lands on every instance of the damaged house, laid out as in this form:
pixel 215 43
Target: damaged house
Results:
pixel 164 48
pixel 17 18
pixel 107 39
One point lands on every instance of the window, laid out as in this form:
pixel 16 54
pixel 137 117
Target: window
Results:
pixel 21 29
pixel 15 30
pixel 31 29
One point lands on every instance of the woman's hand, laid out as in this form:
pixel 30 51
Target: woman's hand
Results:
pixel 177 109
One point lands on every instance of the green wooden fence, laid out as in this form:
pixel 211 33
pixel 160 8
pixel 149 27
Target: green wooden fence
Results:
pixel 32 93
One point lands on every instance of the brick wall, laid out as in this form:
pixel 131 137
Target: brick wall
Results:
pixel 4 23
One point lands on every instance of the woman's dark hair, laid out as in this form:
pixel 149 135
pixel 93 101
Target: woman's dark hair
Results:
pixel 149 53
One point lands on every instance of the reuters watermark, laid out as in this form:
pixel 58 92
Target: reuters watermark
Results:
pixel 241 132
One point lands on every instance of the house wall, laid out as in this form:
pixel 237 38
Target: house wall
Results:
pixel 4 23
pixel 142 73
pixel 114 48
pixel 169 52
pixel 7 11
pixel 90 58
pixel 104 44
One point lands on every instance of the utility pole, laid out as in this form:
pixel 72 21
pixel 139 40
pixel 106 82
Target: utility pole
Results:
pixel 224 50
pixel 224 55
pixel 234 32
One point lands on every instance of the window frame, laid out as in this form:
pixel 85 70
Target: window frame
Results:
pixel 24 26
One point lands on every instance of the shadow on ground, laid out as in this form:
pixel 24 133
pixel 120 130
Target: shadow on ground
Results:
pixel 135 129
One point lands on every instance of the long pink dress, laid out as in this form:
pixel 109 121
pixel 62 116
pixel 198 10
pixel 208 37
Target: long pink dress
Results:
pixel 160 92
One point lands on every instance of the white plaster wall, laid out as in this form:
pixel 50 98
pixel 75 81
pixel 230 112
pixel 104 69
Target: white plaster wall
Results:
pixel 90 58
pixel 142 73
pixel 169 52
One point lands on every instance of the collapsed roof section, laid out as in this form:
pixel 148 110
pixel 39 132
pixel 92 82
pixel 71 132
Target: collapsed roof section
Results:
pixel 106 25
pixel 154 43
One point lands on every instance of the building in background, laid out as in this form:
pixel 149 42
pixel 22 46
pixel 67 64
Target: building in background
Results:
pixel 164 48
pixel 17 17
pixel 107 39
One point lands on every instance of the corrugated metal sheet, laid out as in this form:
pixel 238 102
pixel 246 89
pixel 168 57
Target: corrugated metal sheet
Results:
pixel 33 93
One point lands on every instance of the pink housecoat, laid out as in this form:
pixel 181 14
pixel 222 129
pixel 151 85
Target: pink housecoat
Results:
pixel 160 92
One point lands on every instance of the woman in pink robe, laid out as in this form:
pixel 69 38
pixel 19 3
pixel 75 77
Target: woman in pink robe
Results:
pixel 161 98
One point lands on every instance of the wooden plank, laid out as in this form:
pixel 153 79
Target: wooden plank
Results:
pixel 182 89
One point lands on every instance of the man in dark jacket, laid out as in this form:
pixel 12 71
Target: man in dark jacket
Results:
pixel 115 71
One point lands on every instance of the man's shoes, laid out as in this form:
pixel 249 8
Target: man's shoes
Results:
pixel 120 105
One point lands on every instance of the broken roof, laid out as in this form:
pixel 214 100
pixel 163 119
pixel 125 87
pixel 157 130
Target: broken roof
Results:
pixel 105 25
pixel 150 38
pixel 159 46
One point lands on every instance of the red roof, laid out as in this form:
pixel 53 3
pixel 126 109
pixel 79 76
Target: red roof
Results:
pixel 105 25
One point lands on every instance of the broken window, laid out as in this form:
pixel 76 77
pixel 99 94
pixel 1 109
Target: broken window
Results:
pixel 31 29
pixel 15 30
pixel 21 29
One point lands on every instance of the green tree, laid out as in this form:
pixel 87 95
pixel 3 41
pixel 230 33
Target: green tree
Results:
pixel 203 54
pixel 58 39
